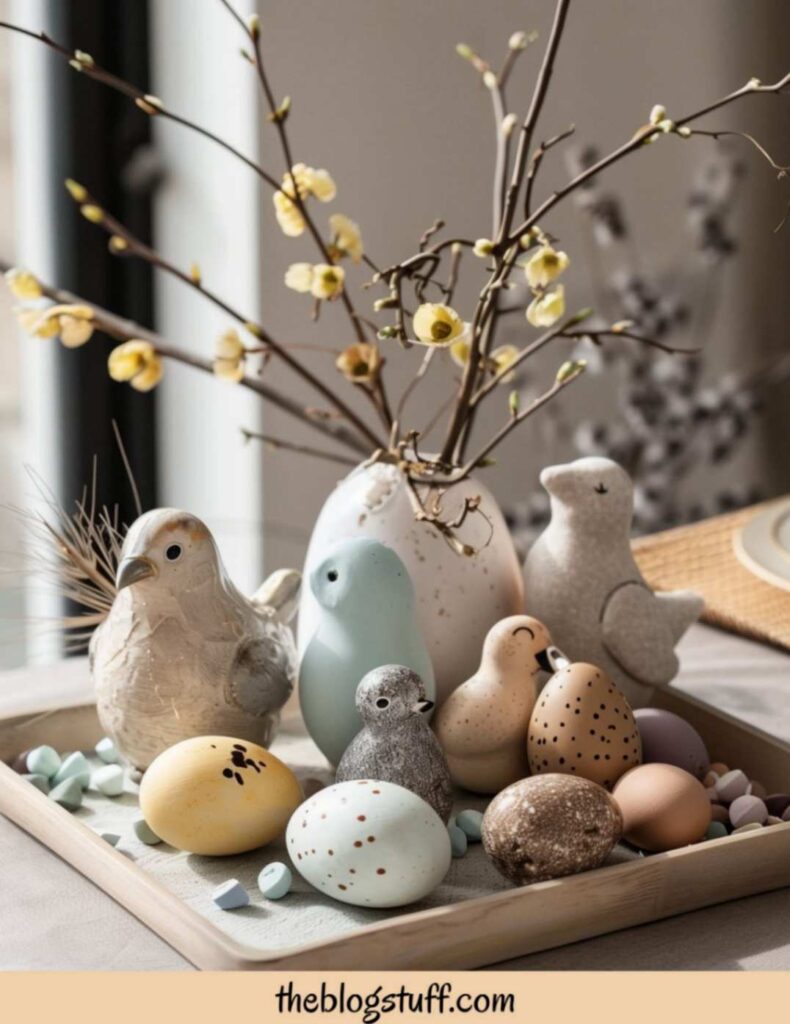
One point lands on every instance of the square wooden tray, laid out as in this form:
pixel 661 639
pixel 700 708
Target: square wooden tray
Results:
pixel 469 934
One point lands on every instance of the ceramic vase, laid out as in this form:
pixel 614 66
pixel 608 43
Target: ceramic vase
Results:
pixel 459 597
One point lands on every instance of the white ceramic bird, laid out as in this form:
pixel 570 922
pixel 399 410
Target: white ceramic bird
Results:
pixel 583 583
pixel 182 652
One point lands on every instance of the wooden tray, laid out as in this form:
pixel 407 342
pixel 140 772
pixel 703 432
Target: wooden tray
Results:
pixel 469 934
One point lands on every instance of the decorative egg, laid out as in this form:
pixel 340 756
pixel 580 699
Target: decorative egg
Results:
pixel 669 739
pixel 582 725
pixel 663 807
pixel 548 826
pixel 215 795
pixel 372 844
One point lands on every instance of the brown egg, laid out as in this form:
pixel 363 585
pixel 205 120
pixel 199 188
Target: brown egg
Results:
pixel 663 807
pixel 582 725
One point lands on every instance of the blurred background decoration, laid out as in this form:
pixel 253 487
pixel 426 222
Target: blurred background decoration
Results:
pixel 681 243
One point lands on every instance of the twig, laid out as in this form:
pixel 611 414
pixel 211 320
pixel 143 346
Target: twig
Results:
pixel 302 449
pixel 537 159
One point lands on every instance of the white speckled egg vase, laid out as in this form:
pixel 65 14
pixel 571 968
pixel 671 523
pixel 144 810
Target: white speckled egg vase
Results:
pixel 458 598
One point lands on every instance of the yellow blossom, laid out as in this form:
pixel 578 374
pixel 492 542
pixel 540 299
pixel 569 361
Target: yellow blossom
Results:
pixel 546 309
pixel 309 182
pixel 288 215
pixel 483 247
pixel 460 350
pixel 437 324
pixel 299 277
pixel 229 356
pixel 73 322
pixel 30 320
pixel 23 284
pixel 359 363
pixel 327 280
pixel 322 186
pixel 544 266
pixel 74 331
pixel 117 244
pixel 77 192
pixel 346 237
pixel 137 362
pixel 502 358
pixel 93 213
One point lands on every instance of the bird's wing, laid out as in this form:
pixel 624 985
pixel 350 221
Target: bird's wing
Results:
pixel 278 595
pixel 262 675
pixel 681 608
pixel 638 636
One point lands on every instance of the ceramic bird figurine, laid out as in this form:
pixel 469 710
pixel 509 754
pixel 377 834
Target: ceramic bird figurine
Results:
pixel 182 652
pixel 482 726
pixel 367 619
pixel 583 582
pixel 396 743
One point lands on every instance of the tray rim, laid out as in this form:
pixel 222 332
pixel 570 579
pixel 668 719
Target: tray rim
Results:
pixel 27 807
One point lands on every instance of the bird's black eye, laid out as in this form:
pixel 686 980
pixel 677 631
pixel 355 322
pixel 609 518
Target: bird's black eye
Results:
pixel 600 489
pixel 173 553
pixel 332 575
pixel 382 703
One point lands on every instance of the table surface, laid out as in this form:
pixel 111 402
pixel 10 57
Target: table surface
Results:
pixel 54 918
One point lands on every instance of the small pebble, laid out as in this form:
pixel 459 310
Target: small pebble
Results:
pixel 716 830
pixel 145 833
pixel 311 786
pixel 757 789
pixel 471 824
pixel 19 764
pixel 458 841
pixel 75 766
pixel 752 826
pixel 718 812
pixel 731 785
pixel 710 780
pixel 108 780
pixel 275 880
pixel 68 794
pixel 786 814
pixel 713 796
pixel 135 776
pixel 777 803
pixel 231 895
pixel 43 761
pixel 105 748
pixel 746 809
pixel 111 838
pixel 39 781
pixel 773 820
pixel 719 767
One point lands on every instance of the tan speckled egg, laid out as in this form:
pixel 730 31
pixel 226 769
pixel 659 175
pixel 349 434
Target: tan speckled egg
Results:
pixel 215 795
pixel 582 725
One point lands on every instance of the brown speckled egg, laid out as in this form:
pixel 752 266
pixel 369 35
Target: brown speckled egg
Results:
pixel 582 725
pixel 549 826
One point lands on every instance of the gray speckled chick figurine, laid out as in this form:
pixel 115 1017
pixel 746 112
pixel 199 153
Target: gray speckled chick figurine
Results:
pixel 583 583
pixel 396 743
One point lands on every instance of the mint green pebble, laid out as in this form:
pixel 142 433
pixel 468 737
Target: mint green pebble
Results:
pixel 68 794
pixel 275 880
pixel 231 895
pixel 106 751
pixel 458 841
pixel 716 830
pixel 75 766
pixel 39 781
pixel 43 761
pixel 145 833
pixel 471 824
pixel 108 780
pixel 111 838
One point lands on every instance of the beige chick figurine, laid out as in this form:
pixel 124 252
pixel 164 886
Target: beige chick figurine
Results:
pixel 482 726
pixel 182 652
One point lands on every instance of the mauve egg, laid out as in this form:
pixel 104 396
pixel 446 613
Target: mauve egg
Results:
pixel 669 739
pixel 746 809
pixel 663 807
pixel 777 803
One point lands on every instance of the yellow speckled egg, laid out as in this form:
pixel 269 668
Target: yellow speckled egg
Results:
pixel 215 795
pixel 582 725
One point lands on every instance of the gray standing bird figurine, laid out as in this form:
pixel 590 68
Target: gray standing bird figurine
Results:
pixel 583 583
pixel 182 652
pixel 396 743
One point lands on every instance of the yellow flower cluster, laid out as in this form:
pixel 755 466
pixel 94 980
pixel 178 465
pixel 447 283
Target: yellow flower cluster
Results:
pixel 346 237
pixel 137 363
pixel 437 325
pixel 309 182
pixel 73 323
pixel 541 269
pixel 229 357
pixel 321 280
pixel 359 363
pixel 498 360
pixel 23 284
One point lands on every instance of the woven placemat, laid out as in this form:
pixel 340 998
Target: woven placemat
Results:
pixel 701 557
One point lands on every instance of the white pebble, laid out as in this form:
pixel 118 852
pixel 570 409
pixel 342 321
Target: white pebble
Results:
pixel 108 780
pixel 275 880
pixel 43 761
pixel 231 895
pixel 471 823
pixel 105 748
pixel 145 833
pixel 458 841
pixel 75 766
pixel 753 826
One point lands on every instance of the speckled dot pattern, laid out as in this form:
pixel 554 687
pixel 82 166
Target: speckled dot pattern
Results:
pixel 582 725
pixel 549 826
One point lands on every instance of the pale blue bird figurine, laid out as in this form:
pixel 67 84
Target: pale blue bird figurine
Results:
pixel 367 619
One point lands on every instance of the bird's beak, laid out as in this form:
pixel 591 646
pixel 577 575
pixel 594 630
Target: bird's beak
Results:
pixel 542 658
pixel 423 706
pixel 132 570
pixel 552 659
pixel 552 477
